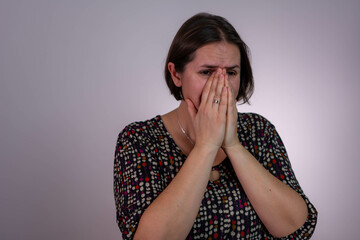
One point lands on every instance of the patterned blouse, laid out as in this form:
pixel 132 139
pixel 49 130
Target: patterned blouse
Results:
pixel 147 159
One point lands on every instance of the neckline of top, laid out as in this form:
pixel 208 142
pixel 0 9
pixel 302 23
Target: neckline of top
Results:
pixel 161 124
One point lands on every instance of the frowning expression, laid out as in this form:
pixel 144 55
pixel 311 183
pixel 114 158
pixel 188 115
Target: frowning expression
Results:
pixel 206 60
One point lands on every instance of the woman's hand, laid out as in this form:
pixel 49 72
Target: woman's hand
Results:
pixel 210 119
pixel 231 138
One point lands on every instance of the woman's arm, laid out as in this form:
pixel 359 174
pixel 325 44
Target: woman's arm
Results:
pixel 280 208
pixel 172 214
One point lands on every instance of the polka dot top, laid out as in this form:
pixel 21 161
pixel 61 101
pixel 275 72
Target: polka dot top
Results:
pixel 147 159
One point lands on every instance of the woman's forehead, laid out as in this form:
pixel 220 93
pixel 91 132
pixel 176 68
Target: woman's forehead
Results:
pixel 219 54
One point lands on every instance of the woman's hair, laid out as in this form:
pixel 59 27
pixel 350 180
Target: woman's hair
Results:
pixel 199 30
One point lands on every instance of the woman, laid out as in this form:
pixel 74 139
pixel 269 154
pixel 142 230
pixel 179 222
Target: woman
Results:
pixel 203 170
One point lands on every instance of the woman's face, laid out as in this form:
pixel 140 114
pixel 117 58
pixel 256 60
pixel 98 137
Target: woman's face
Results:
pixel 207 59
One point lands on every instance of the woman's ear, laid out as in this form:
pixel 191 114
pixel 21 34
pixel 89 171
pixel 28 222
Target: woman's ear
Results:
pixel 174 75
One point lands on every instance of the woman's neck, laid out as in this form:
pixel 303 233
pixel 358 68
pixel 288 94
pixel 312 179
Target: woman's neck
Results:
pixel 184 120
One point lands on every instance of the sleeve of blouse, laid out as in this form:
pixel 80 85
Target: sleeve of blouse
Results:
pixel 137 180
pixel 275 159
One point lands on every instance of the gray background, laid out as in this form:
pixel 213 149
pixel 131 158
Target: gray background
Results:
pixel 74 73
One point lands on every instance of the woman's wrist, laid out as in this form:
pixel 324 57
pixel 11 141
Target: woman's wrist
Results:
pixel 231 148
pixel 206 148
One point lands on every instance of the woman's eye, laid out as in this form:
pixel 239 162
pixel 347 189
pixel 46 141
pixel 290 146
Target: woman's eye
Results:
pixel 206 72
pixel 232 73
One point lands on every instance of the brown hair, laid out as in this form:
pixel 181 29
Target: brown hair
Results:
pixel 199 30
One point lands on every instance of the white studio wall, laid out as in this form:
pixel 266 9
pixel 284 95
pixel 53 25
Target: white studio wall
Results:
pixel 74 73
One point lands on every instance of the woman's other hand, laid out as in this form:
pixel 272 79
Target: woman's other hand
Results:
pixel 230 139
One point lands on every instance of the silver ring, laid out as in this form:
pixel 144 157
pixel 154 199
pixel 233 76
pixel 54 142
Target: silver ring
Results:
pixel 217 101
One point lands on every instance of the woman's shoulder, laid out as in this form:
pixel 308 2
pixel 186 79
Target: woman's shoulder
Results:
pixel 142 125
pixel 143 129
pixel 253 118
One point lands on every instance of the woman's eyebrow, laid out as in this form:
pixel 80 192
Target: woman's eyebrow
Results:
pixel 210 66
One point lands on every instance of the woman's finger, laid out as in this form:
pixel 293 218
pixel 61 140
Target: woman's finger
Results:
pixel 211 95
pixel 223 101
pixel 232 91
pixel 191 109
pixel 206 89
pixel 218 91
pixel 231 103
pixel 230 107
pixel 226 78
